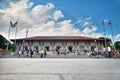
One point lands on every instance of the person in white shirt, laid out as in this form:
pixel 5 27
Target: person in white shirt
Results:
pixel 109 51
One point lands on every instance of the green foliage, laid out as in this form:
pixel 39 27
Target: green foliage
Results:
pixel 117 45
pixel 13 48
pixel 3 41
pixel 3 45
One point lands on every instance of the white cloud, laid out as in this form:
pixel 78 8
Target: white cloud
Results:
pixel 41 13
pixel 84 22
pixel 88 30
pixel 89 18
pixel 30 4
pixel 57 14
pixel 79 21
pixel 40 21
pixel 118 36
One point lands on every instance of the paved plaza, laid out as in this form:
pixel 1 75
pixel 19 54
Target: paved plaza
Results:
pixel 59 69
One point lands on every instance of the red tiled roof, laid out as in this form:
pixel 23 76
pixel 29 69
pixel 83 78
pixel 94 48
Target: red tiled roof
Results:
pixel 58 38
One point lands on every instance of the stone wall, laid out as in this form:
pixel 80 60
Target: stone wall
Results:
pixel 69 46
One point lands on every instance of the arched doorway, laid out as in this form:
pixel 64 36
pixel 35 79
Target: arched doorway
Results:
pixel 58 47
pixel 93 47
pixel 70 48
pixel 36 48
pixel 47 47
pixel 25 47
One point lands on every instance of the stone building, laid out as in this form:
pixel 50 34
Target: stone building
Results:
pixel 62 43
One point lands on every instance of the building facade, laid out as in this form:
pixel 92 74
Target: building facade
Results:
pixel 61 43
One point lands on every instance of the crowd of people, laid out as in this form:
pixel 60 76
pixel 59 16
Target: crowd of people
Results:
pixel 29 53
pixel 109 52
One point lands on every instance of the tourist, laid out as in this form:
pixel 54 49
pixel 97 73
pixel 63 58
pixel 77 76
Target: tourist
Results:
pixel 45 53
pixel 109 51
pixel 104 52
pixel 112 51
pixel 37 51
pixel 58 52
pixel 22 52
pixel 19 53
pixel 27 53
pixel 41 53
pixel 31 53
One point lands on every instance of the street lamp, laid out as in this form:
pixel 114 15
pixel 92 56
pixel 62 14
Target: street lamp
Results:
pixel 26 32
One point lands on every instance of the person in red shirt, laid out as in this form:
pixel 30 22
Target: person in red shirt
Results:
pixel 31 53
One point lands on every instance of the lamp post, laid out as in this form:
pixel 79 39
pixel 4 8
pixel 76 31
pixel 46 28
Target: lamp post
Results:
pixel 26 32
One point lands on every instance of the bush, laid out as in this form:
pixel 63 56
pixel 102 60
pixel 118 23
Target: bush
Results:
pixel 7 51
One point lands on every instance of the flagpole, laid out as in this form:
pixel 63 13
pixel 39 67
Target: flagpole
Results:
pixel 105 36
pixel 104 32
pixel 110 23
pixel 112 33
pixel 16 33
pixel 8 36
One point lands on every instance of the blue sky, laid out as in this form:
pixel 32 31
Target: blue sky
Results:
pixel 97 9
pixel 82 16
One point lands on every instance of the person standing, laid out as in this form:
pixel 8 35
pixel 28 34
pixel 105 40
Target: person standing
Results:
pixel 109 51
pixel 41 53
pixel 31 53
pixel 19 53
pixel 27 51
pixel 104 52
pixel 45 53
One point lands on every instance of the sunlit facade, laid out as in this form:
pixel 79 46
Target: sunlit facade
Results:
pixel 61 43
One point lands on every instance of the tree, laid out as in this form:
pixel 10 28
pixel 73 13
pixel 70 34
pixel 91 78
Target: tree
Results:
pixel 117 45
pixel 12 47
pixel 3 41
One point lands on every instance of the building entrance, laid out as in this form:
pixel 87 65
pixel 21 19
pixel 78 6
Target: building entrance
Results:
pixel 36 48
pixel 70 48
pixel 57 47
pixel 25 48
pixel 47 48
pixel 93 47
